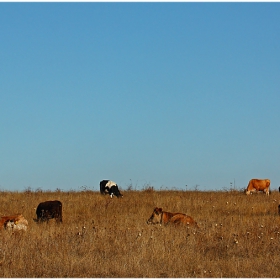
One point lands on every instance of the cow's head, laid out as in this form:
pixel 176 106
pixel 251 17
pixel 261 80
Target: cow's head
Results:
pixel 155 217
pixel 115 191
pixel 246 191
pixel 15 225
pixel 9 224
pixel 118 194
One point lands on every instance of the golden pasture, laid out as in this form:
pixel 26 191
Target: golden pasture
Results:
pixel 238 235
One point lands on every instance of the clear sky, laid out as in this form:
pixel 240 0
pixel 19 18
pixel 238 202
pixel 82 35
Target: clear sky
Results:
pixel 160 94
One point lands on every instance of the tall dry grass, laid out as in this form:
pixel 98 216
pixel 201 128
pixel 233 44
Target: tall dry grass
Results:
pixel 239 236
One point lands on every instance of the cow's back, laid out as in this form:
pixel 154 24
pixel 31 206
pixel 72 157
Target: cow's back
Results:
pixel 260 184
pixel 178 219
pixel 103 182
pixel 49 205
pixel 183 219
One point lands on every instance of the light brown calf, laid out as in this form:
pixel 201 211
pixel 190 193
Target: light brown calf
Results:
pixel 161 217
pixel 13 222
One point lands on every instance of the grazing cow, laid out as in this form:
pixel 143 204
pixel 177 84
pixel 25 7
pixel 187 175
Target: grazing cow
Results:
pixel 162 217
pixel 256 185
pixel 49 210
pixel 14 222
pixel 110 187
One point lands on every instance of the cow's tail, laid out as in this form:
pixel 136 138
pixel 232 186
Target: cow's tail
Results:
pixel 102 187
pixel 268 192
pixel 268 183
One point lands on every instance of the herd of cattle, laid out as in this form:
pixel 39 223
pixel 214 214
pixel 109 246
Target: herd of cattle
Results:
pixel 53 209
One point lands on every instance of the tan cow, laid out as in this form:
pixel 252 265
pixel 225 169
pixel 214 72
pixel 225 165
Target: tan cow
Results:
pixel 256 185
pixel 162 217
pixel 13 222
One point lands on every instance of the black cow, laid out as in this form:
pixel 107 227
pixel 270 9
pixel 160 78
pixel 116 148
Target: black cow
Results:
pixel 49 210
pixel 110 187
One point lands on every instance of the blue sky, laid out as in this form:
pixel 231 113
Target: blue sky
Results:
pixel 160 94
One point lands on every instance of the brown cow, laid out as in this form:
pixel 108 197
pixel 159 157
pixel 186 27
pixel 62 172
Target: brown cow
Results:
pixel 49 210
pixel 256 185
pixel 162 217
pixel 14 222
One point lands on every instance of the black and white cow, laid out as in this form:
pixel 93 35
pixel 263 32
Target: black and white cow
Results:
pixel 110 187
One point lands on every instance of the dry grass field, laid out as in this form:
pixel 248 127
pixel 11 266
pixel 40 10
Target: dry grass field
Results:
pixel 239 236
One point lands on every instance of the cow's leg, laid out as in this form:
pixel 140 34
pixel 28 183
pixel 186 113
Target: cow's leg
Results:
pixel 41 216
pixel 267 191
pixel 102 189
pixel 58 219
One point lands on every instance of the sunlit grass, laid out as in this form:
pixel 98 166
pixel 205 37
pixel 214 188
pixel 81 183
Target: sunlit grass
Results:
pixel 239 236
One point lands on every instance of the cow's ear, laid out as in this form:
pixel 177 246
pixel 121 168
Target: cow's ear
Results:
pixel 157 210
